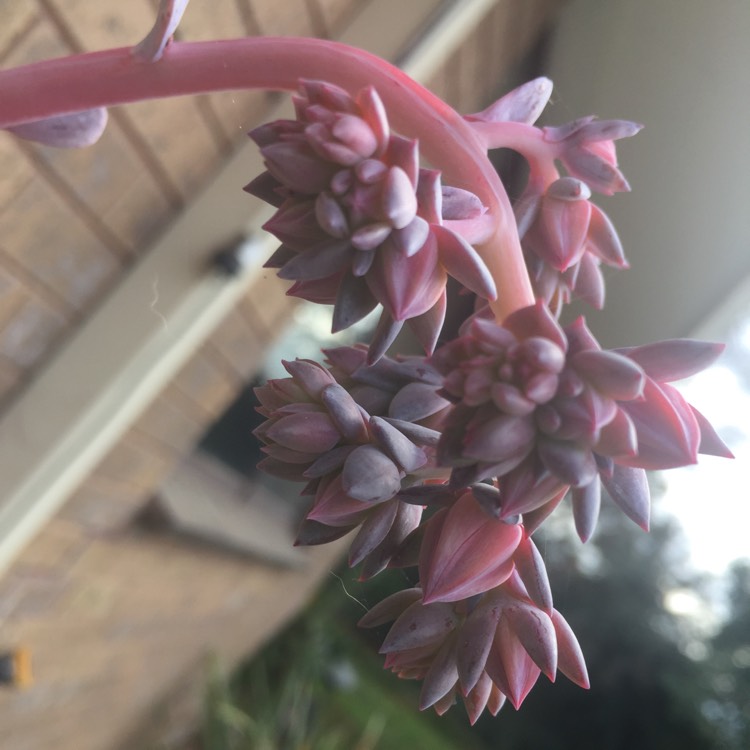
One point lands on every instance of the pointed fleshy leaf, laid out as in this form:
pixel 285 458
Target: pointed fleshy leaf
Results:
pixel 385 334
pixel 475 641
pixel 711 444
pixel 629 489
pixel 344 412
pixel 588 285
pixel 372 532
pixel 533 573
pixel 674 359
pixel 306 432
pixel 476 700
pixel 417 433
pixel 470 554
pixel 399 200
pixel 427 326
pixel 297 167
pixel 317 262
pixel 329 462
pixel 420 625
pixel 524 104
pixel 572 463
pixel 354 301
pixel 405 453
pixel 586 501
pixel 441 676
pixel 570 659
pixel 369 475
pixel 667 429
pixel 603 239
pixel 416 401
pixel 535 631
pixel 309 375
pixel 390 608
pixel 463 263
pixel 536 320
pixel 500 438
pixel 618 438
pixel 509 665
pixel 73 130
pixel 611 373
pixel 312 533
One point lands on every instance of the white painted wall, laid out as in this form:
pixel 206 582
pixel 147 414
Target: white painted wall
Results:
pixel 681 67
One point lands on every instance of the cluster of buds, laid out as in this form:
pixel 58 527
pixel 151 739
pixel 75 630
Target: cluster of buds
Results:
pixel 354 461
pixel 543 409
pixel 483 650
pixel 360 222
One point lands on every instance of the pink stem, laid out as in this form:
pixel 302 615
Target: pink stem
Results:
pixel 104 79
pixel 527 140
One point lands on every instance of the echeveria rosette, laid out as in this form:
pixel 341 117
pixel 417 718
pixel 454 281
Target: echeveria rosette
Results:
pixel 361 224
pixel 544 409
pixel 353 463
pixel 481 650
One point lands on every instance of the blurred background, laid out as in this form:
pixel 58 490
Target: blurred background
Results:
pixel 146 570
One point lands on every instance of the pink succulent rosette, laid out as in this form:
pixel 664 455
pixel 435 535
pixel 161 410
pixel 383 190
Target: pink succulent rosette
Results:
pixel 360 223
pixel 353 462
pixel 543 409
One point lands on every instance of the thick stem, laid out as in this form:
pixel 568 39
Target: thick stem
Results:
pixel 527 140
pixel 108 78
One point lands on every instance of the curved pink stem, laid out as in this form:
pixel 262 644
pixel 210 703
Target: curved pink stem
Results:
pixel 527 140
pixel 103 79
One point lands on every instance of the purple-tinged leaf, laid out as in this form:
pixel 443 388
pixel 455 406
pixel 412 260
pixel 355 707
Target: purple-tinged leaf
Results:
pixel 618 438
pixel 331 216
pixel 427 326
pixel 329 462
pixel 460 204
pixel 613 374
pixel 533 573
pixel 385 334
pixel 320 261
pixel 309 375
pixel 523 104
pixel 536 320
pixel 419 434
pixel 441 677
pixel 354 301
pixel 420 625
pixel 369 475
pixel 589 282
pixel 586 501
pixel 412 237
pixel 476 699
pixel 73 130
pixel 416 401
pixel 306 432
pixel 464 264
pixel 344 412
pixel 535 631
pixel 572 463
pixel 372 532
pixel 570 659
pixel 500 439
pixel 674 359
pixel 405 453
pixel 390 608
pixel 604 241
pixel 312 533
pixel 475 641
pixel 629 489
pixel 399 200
pixel 711 444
